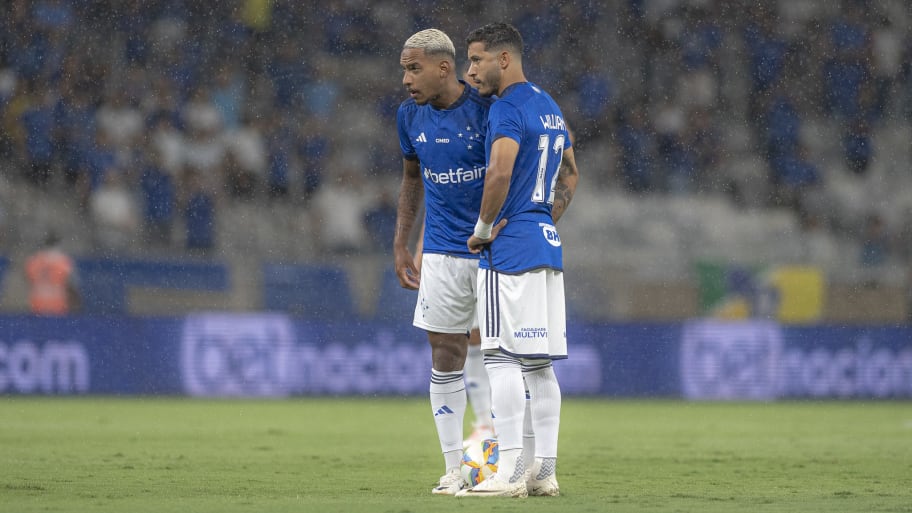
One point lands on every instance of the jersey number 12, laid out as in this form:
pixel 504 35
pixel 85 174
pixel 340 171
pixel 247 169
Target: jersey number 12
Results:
pixel 538 194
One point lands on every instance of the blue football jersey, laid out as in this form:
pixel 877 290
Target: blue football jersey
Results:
pixel 528 115
pixel 449 145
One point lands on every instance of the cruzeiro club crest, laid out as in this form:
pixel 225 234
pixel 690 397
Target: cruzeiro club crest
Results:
pixel 470 137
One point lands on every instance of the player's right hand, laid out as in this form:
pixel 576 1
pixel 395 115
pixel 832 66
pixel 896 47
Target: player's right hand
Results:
pixel 475 244
pixel 406 270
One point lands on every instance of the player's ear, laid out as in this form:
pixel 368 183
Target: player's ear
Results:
pixel 504 59
pixel 444 68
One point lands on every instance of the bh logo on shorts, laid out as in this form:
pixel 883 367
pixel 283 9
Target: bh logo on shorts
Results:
pixel 550 233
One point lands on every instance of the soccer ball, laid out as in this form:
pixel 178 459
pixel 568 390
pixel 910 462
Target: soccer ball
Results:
pixel 479 461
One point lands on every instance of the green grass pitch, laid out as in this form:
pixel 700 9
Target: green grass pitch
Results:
pixel 381 455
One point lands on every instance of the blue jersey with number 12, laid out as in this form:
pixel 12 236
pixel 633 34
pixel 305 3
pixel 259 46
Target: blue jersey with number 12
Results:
pixel 449 145
pixel 529 241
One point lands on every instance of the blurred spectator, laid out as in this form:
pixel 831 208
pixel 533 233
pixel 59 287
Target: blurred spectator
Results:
pixel 99 158
pixel 887 62
pixel 288 72
pixel 321 97
pixel 228 96
pixel 247 158
pixel 380 220
pixel 857 146
pixel 280 147
pixel 52 278
pixel 904 235
pixel 38 124
pixel 7 91
pixel 199 214
pixel 239 181
pixel 166 141
pixel 114 213
pixel 162 100
pixel 75 131
pixel 596 98
pixel 817 244
pixel 159 198
pixel 699 42
pixel 875 243
pixel 121 122
pixel 766 52
pixel 846 70
pixel 793 175
pixel 782 124
pixel 204 146
pixel 675 160
pixel 637 141
pixel 703 139
pixel 340 205
pixel 313 147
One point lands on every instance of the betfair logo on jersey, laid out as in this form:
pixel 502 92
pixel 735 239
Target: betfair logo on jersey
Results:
pixel 458 175
pixel 550 234
pixel 531 333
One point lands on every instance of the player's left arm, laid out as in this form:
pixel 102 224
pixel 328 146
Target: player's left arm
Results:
pixel 567 178
pixel 496 185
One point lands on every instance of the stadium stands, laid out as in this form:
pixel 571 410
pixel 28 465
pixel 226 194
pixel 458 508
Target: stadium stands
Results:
pixel 717 107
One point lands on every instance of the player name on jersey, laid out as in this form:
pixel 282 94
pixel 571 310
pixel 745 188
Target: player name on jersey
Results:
pixel 552 122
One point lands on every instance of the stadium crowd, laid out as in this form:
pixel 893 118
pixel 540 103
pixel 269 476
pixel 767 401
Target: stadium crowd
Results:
pixel 154 115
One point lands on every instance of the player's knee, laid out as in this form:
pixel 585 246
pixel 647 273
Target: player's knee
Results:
pixel 448 351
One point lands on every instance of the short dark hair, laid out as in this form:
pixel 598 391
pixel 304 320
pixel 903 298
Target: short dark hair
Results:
pixel 497 35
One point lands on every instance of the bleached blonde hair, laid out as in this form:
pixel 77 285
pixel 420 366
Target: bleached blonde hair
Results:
pixel 433 42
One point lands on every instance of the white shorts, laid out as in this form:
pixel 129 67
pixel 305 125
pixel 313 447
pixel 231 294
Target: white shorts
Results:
pixel 523 315
pixel 446 295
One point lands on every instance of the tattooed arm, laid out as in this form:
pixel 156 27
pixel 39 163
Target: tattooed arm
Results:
pixel 410 195
pixel 567 178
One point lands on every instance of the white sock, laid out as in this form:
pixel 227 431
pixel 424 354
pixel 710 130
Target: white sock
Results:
pixel 478 387
pixel 528 450
pixel 545 399
pixel 448 404
pixel 510 459
pixel 508 406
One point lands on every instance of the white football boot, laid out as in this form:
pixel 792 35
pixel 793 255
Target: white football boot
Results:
pixel 495 486
pixel 450 483
pixel 546 487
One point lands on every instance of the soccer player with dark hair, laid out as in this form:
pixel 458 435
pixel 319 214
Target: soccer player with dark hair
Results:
pixel 530 180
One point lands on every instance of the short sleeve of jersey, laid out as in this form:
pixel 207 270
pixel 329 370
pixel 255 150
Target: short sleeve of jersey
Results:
pixel 403 118
pixel 505 120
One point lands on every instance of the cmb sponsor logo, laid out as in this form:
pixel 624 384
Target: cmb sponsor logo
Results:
pixel 51 367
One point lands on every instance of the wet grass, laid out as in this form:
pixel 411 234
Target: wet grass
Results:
pixel 381 455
